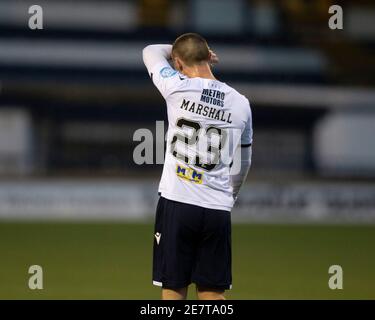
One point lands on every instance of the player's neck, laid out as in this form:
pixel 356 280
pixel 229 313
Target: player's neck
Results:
pixel 200 71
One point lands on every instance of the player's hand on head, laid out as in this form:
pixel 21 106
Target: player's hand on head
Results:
pixel 213 57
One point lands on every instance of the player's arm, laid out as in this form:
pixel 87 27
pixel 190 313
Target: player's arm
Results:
pixel 244 151
pixel 156 54
pixel 239 176
pixel 156 59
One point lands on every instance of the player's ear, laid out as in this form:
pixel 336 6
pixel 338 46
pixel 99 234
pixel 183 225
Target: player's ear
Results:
pixel 178 64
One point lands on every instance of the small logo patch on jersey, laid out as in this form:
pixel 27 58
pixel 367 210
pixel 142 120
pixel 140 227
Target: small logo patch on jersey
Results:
pixel 189 174
pixel 167 72
pixel 157 237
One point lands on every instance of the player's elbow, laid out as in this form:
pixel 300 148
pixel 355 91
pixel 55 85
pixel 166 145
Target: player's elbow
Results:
pixel 145 53
pixel 151 48
pixel 146 48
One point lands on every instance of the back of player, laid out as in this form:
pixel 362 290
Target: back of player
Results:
pixel 207 119
pixel 208 123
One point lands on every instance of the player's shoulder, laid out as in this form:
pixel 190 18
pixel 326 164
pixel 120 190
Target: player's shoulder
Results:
pixel 164 71
pixel 185 83
pixel 238 98
pixel 175 80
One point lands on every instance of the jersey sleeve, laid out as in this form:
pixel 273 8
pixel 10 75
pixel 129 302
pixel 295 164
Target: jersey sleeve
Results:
pixel 247 133
pixel 164 77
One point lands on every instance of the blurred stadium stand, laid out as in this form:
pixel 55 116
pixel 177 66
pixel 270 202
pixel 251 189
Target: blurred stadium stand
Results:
pixel 72 94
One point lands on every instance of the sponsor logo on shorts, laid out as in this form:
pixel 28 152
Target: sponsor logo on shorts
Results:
pixel 189 174
pixel 157 237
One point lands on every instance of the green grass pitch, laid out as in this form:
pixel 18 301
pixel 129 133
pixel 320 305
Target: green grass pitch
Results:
pixel 113 261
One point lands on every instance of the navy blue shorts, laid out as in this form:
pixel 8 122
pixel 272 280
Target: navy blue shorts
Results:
pixel 192 244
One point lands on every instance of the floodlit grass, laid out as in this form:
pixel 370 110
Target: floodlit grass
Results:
pixel 113 261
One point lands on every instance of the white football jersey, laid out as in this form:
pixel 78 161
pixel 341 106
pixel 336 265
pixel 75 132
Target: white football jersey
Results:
pixel 208 121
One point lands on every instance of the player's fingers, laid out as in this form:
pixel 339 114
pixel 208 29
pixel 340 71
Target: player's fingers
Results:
pixel 213 57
